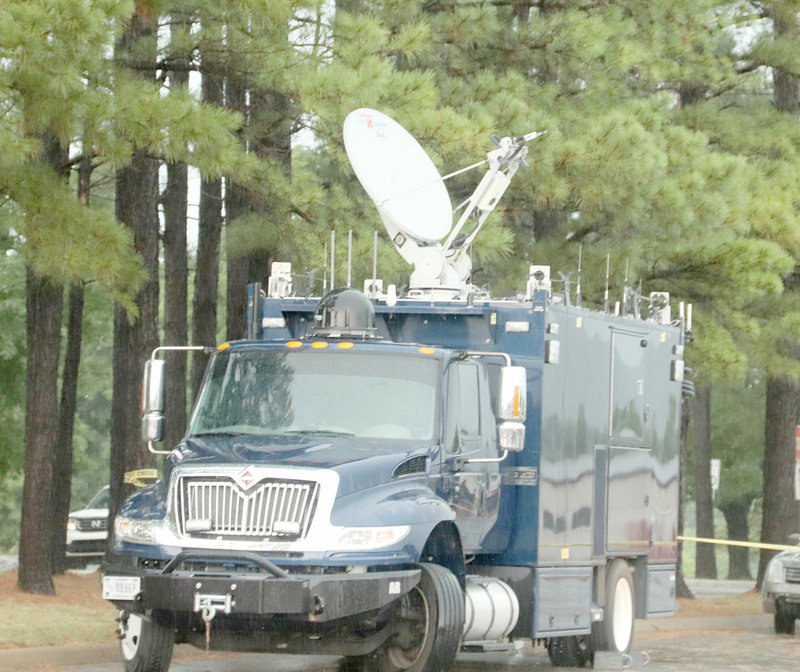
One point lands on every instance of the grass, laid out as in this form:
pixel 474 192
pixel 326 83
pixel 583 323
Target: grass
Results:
pixel 76 614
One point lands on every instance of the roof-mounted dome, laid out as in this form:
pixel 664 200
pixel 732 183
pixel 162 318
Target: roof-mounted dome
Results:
pixel 345 312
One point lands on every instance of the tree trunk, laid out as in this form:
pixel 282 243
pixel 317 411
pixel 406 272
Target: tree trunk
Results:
pixel 786 90
pixel 705 563
pixel 738 530
pixel 239 201
pixel 780 508
pixel 682 588
pixel 176 278
pixel 62 467
pixel 241 269
pixel 176 273
pixel 44 301
pixel 43 325
pixel 62 483
pixel 134 338
pixel 206 276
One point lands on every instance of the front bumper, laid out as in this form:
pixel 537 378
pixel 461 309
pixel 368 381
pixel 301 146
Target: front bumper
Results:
pixel 774 593
pixel 270 591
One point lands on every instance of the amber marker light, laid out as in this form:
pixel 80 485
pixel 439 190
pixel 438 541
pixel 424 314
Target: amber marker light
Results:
pixel 294 344
pixel 319 345
pixel 346 345
pixel 427 351
pixel 223 346
pixel 516 402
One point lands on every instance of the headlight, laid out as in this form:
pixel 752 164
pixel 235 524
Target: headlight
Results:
pixel 363 538
pixel 131 529
pixel 775 571
pixel 72 525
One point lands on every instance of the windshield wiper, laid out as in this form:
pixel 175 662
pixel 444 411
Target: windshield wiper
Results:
pixel 217 432
pixel 320 432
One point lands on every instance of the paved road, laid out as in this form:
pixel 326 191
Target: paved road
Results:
pixel 737 644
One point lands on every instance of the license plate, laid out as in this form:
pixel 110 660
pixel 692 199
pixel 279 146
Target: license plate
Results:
pixel 121 587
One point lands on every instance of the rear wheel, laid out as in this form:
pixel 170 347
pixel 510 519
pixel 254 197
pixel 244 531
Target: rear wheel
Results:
pixel 615 632
pixel 784 620
pixel 430 621
pixel 146 642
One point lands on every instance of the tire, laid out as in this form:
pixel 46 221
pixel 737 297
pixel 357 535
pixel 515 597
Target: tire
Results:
pixel 431 622
pixel 569 651
pixel 146 642
pixel 784 620
pixel 615 632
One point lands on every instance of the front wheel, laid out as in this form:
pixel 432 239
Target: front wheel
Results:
pixel 146 642
pixel 430 621
pixel 784 620
pixel 615 632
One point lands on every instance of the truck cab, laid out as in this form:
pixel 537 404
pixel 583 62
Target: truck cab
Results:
pixel 343 470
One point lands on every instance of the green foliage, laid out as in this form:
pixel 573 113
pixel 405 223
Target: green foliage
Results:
pixel 737 437
pixel 12 361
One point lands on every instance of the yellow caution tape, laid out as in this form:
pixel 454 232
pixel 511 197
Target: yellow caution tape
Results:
pixel 745 544
pixel 134 478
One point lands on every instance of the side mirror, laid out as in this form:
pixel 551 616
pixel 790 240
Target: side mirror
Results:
pixel 513 392
pixel 511 436
pixel 511 411
pixel 153 401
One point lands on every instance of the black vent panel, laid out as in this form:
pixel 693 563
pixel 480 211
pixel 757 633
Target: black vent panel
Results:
pixel 414 465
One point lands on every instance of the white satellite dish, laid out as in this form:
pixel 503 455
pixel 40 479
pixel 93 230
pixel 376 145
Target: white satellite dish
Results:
pixel 399 177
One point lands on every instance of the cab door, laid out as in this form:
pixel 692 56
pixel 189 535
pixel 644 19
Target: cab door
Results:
pixel 470 431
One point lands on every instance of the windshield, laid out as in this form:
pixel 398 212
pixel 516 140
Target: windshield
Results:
pixel 100 500
pixel 284 392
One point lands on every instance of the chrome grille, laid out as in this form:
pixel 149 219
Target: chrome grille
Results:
pixel 220 507
pixel 793 574
pixel 91 524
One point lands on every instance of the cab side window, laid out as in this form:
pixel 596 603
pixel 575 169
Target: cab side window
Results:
pixel 463 428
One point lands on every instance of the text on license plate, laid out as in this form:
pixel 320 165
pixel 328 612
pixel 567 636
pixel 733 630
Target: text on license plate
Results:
pixel 121 587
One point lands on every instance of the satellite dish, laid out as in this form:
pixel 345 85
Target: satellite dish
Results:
pixel 399 177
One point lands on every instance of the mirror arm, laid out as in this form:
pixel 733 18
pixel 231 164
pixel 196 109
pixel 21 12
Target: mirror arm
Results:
pixel 155 451
pixel 487 460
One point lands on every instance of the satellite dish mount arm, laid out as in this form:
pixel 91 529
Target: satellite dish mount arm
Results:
pixel 504 161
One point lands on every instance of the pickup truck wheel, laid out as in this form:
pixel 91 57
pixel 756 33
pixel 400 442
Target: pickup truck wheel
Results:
pixel 569 651
pixel 784 620
pixel 430 623
pixel 146 642
pixel 615 632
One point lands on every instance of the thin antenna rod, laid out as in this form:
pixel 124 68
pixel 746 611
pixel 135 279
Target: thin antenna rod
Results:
pixel 349 257
pixel 606 305
pixel 373 291
pixel 333 257
pixel 578 297
pixel 325 268
pixel 625 290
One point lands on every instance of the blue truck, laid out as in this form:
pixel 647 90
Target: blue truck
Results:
pixel 394 479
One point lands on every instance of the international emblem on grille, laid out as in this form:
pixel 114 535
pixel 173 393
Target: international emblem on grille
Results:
pixel 245 478
pixel 227 508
